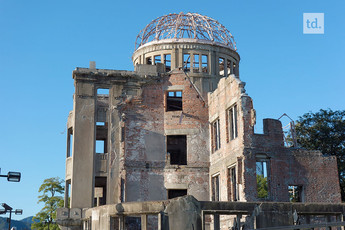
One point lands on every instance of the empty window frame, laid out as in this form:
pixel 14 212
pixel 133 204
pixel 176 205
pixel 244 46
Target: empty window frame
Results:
pixel 149 61
pixel 100 191
pixel 232 122
pixel 221 62
pixel 173 193
pixel 295 193
pixel 69 142
pixel 186 62
pixel 174 101
pixel 232 184
pixel 228 66
pixel 177 149
pixel 196 63
pixel 262 178
pixel 215 135
pixel 101 146
pixel 157 59
pixel 103 92
pixel 167 62
pixel 204 63
pixel 215 188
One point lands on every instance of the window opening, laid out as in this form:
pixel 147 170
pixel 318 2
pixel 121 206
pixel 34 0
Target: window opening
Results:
pixel 196 63
pixel 295 193
pixel 215 188
pixel 186 62
pixel 174 100
pixel 262 178
pixel 228 66
pixel 232 114
pixel 149 61
pixel 232 184
pixel 69 142
pixel 215 135
pixel 173 193
pixel 221 66
pixel 100 191
pixel 167 62
pixel 102 91
pixel 177 149
pixel 204 63
pixel 158 59
pixel 101 146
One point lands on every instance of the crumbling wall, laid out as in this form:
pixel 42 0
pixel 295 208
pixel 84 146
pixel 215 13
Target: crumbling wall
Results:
pixel 147 123
pixel 315 174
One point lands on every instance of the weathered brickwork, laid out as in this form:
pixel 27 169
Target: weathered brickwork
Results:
pixel 316 174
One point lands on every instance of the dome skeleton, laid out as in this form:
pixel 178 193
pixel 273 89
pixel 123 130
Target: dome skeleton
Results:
pixel 190 26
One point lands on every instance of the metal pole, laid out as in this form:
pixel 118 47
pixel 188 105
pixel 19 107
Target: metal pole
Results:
pixel 9 222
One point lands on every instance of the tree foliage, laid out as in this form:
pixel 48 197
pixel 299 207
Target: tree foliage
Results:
pixel 325 131
pixel 50 191
pixel 262 186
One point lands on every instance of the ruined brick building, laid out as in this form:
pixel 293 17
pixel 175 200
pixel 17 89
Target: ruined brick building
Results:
pixel 181 123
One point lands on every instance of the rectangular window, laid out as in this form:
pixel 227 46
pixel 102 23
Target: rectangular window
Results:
pixel 228 66
pixel 149 61
pixel 100 123
pixel 204 63
pixel 174 100
pixel 215 129
pixel 102 92
pixel 221 66
pixel 186 62
pixel 215 188
pixel 177 149
pixel 232 184
pixel 232 121
pixel 196 63
pixel 69 142
pixel 158 59
pixel 167 62
pixel 173 193
pixel 101 146
pixel 262 178
pixel 100 191
pixel 295 193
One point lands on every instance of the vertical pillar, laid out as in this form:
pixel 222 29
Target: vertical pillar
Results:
pixel 180 57
pixel 66 194
pixel 160 221
pixel 200 63
pixel 143 222
pixel 231 67
pixel 82 194
pixel 162 59
pixel 174 59
pixel 191 55
pixel 211 63
pixel 122 222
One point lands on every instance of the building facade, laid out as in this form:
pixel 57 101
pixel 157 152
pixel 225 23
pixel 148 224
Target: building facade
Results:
pixel 181 124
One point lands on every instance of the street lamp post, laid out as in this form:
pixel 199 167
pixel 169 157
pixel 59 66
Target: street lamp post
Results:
pixel 12 176
pixel 10 210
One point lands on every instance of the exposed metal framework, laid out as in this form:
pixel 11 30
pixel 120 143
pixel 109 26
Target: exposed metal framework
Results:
pixel 189 25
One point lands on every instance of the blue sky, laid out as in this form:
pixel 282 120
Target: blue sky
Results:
pixel 41 42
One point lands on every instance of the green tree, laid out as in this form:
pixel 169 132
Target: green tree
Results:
pixel 262 186
pixel 325 131
pixel 50 191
